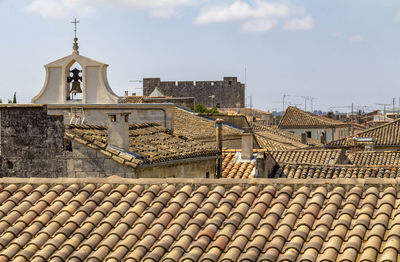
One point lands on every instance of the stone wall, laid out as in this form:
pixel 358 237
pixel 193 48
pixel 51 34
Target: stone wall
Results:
pixel 186 169
pixel 84 161
pixel 226 93
pixel 32 142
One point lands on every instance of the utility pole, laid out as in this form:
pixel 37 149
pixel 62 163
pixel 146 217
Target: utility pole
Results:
pixel 283 103
pixel 312 108
pixel 394 116
pixel 384 108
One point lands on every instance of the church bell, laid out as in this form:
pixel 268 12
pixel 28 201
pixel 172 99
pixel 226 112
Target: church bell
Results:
pixel 75 80
pixel 76 87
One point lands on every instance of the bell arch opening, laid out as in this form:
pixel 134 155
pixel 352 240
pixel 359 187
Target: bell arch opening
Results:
pixel 74 82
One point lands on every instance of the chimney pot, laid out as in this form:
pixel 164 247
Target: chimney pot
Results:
pixel 247 143
pixel 304 138
pixel 218 127
pixel 118 130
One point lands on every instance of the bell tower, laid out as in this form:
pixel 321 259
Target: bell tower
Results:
pixel 76 79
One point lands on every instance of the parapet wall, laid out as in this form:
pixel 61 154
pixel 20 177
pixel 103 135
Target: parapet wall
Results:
pixel 226 93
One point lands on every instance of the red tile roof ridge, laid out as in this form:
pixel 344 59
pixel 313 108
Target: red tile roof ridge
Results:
pixel 200 181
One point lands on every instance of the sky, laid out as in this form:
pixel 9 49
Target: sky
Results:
pixel 340 52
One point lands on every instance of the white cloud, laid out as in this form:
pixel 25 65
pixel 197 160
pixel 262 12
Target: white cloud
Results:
pixel 240 10
pixel 59 9
pixel 253 15
pixel 356 38
pixel 62 9
pixel 261 25
pixel 305 23
pixel 256 15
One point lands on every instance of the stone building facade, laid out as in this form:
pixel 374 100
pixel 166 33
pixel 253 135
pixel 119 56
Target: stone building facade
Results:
pixel 226 93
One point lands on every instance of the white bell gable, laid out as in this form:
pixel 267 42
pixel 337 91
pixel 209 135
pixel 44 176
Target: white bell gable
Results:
pixel 94 84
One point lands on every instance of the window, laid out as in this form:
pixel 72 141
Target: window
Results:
pixel 67 145
pixel 308 133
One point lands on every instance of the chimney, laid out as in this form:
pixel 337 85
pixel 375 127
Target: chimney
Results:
pixel 247 144
pixel 118 130
pixel 304 138
pixel 218 126
pixel 323 137
pixel 260 165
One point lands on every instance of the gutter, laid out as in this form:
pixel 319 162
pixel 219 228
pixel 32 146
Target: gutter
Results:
pixel 175 162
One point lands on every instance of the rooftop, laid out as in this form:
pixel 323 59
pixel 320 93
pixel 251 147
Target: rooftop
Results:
pixel 310 171
pixel 118 219
pixel 374 158
pixel 272 138
pixel 383 135
pixel 149 143
pixel 297 118
pixel 322 156
pixel 193 126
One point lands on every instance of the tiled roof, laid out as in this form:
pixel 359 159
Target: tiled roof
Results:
pixel 196 127
pixel 172 221
pixel 306 171
pixel 297 118
pixel 273 138
pixel 384 135
pixel 149 143
pixel 268 142
pixel 323 156
pixel 234 167
pixel 374 158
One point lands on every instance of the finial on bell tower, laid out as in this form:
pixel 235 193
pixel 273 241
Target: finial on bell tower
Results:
pixel 75 46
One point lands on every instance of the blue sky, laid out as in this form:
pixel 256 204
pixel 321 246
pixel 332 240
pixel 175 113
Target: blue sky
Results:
pixel 341 52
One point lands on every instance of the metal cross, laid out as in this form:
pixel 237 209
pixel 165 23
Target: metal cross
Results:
pixel 75 22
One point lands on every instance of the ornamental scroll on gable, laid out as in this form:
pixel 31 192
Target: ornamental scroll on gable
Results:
pixel 76 79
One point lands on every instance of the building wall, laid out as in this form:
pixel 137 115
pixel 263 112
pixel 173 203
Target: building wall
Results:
pixel 84 161
pixel 162 114
pixel 331 133
pixel 227 93
pixel 189 169
pixel 31 142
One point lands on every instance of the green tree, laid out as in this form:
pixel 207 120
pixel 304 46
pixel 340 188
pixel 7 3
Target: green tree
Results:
pixel 200 108
pixel 15 98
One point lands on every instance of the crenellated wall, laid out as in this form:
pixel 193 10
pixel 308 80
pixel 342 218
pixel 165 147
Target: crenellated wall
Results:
pixel 226 93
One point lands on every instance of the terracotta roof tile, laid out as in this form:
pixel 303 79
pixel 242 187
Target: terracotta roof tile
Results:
pixel 200 128
pixel 370 158
pixel 322 156
pixel 272 138
pixel 304 171
pixel 150 143
pixel 234 167
pixel 218 221
pixel 297 118
pixel 383 135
